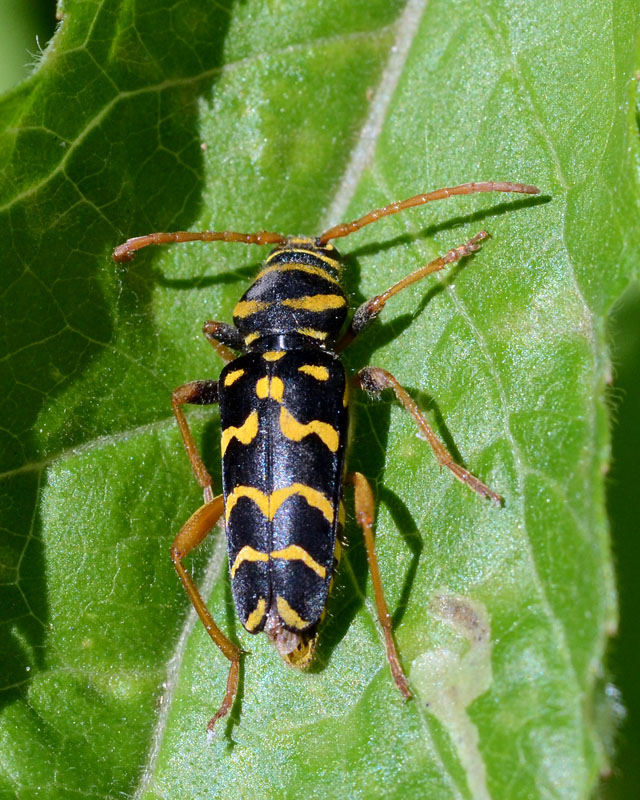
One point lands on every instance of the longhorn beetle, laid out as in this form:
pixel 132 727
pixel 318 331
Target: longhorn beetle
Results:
pixel 283 411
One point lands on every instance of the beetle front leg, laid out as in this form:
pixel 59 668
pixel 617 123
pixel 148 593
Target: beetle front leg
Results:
pixel 369 311
pixel 223 336
pixel 375 380
pixel 193 533
pixel 365 515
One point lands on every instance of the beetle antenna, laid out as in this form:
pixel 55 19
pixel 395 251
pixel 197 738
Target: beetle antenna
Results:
pixel 127 250
pixel 345 228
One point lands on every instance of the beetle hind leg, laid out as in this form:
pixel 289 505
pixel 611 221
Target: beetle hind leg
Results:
pixel 365 513
pixel 193 533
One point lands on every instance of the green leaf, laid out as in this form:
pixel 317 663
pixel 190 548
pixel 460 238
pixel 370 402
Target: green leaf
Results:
pixel 292 116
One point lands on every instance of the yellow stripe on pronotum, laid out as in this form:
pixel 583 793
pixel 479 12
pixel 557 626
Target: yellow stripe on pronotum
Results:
pixel 245 308
pixel 317 271
pixel 332 262
pixel 313 333
pixel 315 302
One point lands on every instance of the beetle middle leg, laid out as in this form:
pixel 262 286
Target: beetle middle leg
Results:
pixel 200 393
pixel 375 380
pixel 193 533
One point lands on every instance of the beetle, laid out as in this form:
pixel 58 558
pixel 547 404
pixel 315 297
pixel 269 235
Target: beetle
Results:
pixel 284 415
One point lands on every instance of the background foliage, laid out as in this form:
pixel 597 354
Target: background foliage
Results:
pixel 154 115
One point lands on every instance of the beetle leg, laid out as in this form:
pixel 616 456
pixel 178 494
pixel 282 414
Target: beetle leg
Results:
pixel 223 336
pixel 367 312
pixel 193 533
pixel 374 380
pixel 200 393
pixel 365 514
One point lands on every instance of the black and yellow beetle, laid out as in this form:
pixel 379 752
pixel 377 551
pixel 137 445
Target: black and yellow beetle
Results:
pixel 284 415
